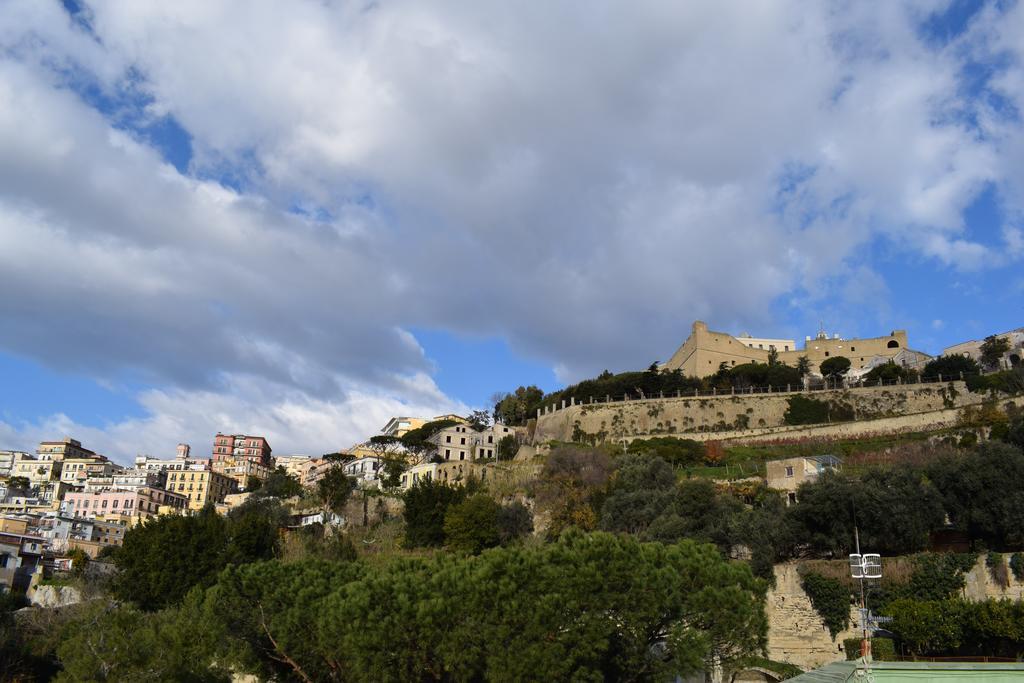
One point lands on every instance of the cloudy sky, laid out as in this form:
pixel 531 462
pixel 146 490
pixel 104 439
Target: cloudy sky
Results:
pixel 300 218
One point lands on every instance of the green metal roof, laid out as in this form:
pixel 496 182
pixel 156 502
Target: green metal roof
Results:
pixel 939 672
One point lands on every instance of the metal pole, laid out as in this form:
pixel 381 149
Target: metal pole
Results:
pixel 865 644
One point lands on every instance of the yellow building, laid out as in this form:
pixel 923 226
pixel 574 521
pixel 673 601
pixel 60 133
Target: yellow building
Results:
pixel 200 485
pixel 240 469
pixel 705 351
pixel 59 450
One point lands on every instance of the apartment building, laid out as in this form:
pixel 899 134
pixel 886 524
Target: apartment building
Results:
pixel 241 469
pixel 138 504
pixel 242 446
pixel 76 471
pixel 463 442
pixel 60 450
pixel 199 485
pixel 7 459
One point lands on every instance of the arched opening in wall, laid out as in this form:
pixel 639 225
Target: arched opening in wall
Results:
pixel 893 344
pixel 1014 360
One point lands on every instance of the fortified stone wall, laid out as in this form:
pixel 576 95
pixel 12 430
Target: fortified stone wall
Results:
pixel 736 416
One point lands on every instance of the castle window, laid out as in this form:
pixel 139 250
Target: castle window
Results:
pixel 893 344
pixel 853 348
pixel 826 353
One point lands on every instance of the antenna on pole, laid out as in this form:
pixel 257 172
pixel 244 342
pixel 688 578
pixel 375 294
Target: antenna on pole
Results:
pixel 866 566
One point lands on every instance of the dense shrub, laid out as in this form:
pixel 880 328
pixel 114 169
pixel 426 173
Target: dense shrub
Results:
pixel 831 600
pixel 1017 566
pixel 955 627
pixel 950 367
pixel 882 649
pixel 1006 381
pixel 670 449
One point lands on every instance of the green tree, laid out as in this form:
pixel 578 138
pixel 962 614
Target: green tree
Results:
pixel 19 483
pixel 426 504
pixel 103 641
pixel 268 614
pixel 280 484
pixel 479 420
pixel 163 558
pixel 334 489
pixel 472 525
pixel 642 489
pixel 835 367
pixel 895 511
pixel 888 373
pixel 515 521
pixel 966 484
pixel 79 561
pixel 803 365
pixel 951 367
pixel 992 350
pixel 392 468
pixel 518 407
pixel 508 446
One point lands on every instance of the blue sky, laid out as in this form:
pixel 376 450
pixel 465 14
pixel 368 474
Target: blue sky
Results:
pixel 302 218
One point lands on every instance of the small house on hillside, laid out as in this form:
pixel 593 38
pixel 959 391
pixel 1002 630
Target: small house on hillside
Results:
pixel 787 475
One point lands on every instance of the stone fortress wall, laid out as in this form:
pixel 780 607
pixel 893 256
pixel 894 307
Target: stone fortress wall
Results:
pixel 752 416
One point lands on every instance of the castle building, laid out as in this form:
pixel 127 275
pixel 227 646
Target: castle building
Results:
pixel 704 351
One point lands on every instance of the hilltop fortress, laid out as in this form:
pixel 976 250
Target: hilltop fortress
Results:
pixel 705 351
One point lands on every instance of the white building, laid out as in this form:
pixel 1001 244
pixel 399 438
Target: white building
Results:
pixel 7 459
pixel 365 470
pixel 463 442
pixel 767 344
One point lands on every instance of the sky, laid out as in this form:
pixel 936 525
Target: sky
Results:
pixel 298 219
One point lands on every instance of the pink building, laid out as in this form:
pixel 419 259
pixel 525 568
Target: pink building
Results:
pixel 241 446
pixel 143 502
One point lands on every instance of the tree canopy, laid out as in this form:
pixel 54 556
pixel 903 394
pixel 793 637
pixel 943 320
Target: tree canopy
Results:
pixel 835 367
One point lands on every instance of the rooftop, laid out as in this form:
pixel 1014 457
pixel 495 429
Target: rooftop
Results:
pixel 937 672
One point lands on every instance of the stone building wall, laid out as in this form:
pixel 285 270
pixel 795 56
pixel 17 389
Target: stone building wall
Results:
pixel 737 416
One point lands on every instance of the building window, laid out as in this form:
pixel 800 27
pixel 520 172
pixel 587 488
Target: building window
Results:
pixel 448 438
pixel 826 353
pixel 792 498
pixel 462 455
pixel 789 471
pixel 853 348
pixel 462 441
pixel 447 453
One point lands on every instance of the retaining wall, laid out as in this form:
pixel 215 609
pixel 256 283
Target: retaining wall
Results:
pixel 757 416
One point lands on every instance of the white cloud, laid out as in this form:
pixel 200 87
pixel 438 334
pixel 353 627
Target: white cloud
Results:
pixel 292 421
pixel 582 182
